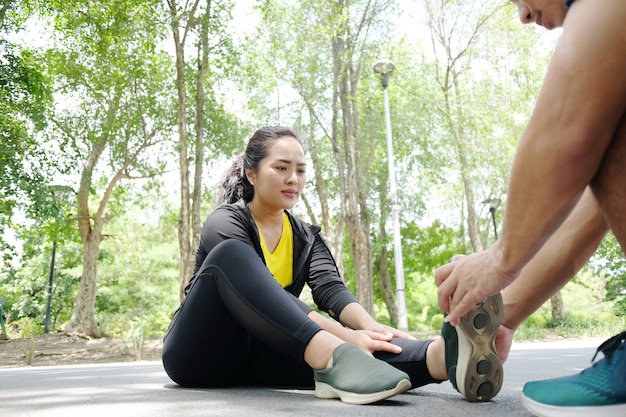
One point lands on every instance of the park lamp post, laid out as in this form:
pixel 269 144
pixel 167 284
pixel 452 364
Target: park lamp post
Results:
pixel 493 204
pixel 383 69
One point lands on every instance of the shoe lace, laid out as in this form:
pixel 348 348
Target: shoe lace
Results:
pixel 608 347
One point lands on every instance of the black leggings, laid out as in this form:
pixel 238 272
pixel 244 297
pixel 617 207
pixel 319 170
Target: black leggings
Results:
pixel 238 326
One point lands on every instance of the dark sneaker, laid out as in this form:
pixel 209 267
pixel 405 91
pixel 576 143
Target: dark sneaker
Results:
pixel 597 391
pixel 357 378
pixel 474 368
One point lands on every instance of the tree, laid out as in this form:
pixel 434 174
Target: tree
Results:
pixel 24 98
pixel 455 30
pixel 108 66
pixel 203 24
pixel 334 48
pixel 177 15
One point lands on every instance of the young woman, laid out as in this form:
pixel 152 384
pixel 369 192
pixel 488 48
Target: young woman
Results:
pixel 242 322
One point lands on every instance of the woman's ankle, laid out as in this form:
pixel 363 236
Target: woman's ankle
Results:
pixel 319 351
pixel 436 360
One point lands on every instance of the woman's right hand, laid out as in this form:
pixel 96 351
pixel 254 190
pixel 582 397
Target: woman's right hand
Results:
pixel 370 341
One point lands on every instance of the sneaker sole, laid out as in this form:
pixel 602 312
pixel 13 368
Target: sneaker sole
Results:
pixel 323 390
pixel 545 410
pixel 479 373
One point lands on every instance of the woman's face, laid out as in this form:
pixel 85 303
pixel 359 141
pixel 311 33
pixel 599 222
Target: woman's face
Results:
pixel 547 13
pixel 281 175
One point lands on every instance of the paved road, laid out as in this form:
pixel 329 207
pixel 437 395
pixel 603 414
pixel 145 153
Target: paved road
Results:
pixel 143 389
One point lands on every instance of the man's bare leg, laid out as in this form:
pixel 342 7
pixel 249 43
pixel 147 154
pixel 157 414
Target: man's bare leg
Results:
pixel 609 185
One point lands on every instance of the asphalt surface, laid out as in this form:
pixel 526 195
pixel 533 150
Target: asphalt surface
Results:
pixel 143 389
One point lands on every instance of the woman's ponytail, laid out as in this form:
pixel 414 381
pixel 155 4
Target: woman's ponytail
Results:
pixel 234 185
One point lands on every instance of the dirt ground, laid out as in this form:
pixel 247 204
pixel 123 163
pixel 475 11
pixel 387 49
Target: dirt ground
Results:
pixel 65 349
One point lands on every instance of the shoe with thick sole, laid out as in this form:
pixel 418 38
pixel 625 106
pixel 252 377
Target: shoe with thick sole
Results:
pixel 357 378
pixel 598 391
pixel 473 365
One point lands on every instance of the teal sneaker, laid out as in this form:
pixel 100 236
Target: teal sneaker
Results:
pixel 474 368
pixel 357 378
pixel 597 391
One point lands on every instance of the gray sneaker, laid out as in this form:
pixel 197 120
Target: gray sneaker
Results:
pixel 474 368
pixel 357 378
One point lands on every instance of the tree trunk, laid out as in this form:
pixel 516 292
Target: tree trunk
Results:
pixel 387 291
pixel 558 309
pixel 184 218
pixel 90 230
pixel 442 33
pixel 83 320
pixel 357 221
pixel 203 67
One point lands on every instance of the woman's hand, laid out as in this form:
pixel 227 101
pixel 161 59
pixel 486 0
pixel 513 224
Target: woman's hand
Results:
pixel 370 341
pixel 388 330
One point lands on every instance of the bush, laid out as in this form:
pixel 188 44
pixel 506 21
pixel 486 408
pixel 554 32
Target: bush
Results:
pixel 24 328
pixel 436 321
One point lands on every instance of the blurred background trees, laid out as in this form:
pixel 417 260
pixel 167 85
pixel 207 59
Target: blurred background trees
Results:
pixel 117 119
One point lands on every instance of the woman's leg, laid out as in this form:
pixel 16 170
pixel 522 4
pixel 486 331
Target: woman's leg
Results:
pixel 411 360
pixel 234 296
pixel 269 367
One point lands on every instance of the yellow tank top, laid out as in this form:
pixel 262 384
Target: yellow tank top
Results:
pixel 280 262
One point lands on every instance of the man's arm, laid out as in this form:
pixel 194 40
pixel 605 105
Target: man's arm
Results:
pixel 577 113
pixel 576 116
pixel 563 255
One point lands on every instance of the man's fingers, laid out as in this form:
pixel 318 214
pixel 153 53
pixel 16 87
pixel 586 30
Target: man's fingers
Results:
pixel 443 298
pixel 442 273
pixel 460 308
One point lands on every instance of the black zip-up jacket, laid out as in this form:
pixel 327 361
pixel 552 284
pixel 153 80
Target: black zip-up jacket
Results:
pixel 313 263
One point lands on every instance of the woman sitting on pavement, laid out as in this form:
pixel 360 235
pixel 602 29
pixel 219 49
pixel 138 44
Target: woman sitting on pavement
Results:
pixel 242 323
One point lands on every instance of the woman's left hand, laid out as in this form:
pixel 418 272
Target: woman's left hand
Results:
pixel 388 330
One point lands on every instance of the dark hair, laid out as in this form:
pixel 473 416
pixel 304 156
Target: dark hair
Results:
pixel 235 184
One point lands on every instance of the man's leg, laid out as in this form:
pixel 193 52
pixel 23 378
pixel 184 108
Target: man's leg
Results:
pixel 599 390
pixel 609 185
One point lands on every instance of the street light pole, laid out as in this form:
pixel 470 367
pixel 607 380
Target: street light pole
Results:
pixel 493 204
pixel 384 68
pixel 46 328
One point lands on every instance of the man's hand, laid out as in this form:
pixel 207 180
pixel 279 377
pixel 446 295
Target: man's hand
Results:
pixel 504 340
pixel 468 280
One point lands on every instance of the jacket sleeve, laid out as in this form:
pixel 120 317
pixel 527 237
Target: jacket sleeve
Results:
pixel 225 222
pixel 329 292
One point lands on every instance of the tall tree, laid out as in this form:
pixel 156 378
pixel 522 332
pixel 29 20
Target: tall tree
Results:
pixel 454 33
pixel 200 25
pixel 113 124
pixel 324 67
pixel 480 63
pixel 181 21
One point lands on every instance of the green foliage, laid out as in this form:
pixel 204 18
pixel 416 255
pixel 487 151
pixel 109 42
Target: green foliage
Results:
pixel 609 262
pixel 112 56
pixel 436 321
pixel 24 328
pixel 24 97
pixel 138 277
pixel 26 287
pixel 587 313
pixel 424 250
pixel 421 295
